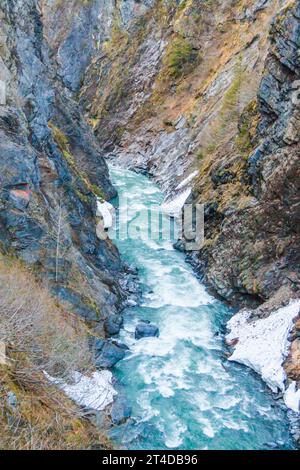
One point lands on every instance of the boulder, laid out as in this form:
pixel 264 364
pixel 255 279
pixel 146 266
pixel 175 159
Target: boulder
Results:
pixel 113 324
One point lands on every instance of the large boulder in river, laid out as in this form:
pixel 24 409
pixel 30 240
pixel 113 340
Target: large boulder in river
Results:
pixel 144 330
pixel 107 354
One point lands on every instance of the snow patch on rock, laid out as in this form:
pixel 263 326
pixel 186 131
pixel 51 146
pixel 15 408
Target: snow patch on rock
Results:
pixel 173 207
pixel 187 180
pixel 95 391
pixel 106 211
pixel 263 345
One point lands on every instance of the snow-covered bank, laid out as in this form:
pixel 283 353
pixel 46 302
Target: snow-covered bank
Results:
pixel 263 345
pixel 95 392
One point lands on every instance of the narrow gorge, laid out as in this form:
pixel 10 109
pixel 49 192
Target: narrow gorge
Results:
pixel 120 113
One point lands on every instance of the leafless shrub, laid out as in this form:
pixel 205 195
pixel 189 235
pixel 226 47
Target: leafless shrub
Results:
pixel 33 324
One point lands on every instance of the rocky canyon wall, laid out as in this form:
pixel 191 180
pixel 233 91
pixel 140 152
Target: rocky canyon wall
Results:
pixel 52 171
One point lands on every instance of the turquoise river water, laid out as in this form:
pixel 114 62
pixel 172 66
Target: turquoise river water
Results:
pixel 183 392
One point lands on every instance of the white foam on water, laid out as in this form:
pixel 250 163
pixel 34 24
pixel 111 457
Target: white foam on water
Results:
pixel 167 376
pixel 168 385
pixel 207 428
pixel 168 293
pixel 155 266
pixel 226 402
pixel 202 401
pixel 148 409
pixel 181 327
pixel 158 245
pixel 152 347
pixel 204 368
pixel 236 426
pixel 151 190
pixel 178 365
pixel 165 388
pixel 263 410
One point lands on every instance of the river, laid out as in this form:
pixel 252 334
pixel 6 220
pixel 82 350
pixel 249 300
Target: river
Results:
pixel 183 392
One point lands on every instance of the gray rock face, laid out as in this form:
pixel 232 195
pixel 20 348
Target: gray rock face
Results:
pixel 257 252
pixel 144 330
pixel 132 85
pixel 76 31
pixel 258 6
pixel 164 159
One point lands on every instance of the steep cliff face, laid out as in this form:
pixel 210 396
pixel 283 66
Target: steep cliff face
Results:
pixel 52 171
pixel 207 91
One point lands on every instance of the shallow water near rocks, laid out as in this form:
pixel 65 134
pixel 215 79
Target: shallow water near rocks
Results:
pixel 183 392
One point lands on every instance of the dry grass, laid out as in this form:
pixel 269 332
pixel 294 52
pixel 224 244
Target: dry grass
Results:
pixel 39 336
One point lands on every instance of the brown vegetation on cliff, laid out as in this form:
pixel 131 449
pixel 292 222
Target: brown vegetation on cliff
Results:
pixel 38 335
